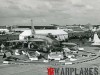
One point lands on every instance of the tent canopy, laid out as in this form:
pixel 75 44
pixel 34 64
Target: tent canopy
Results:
pixel 53 32
pixel 44 32
pixel 26 33
pixel 6 30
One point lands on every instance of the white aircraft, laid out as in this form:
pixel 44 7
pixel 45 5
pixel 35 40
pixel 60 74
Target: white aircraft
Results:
pixel 96 40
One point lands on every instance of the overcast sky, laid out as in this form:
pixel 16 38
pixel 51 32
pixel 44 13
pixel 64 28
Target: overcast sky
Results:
pixel 45 12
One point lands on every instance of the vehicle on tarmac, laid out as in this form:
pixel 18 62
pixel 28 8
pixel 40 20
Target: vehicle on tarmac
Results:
pixel 73 48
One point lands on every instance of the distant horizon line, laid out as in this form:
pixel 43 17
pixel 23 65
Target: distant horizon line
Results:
pixel 47 25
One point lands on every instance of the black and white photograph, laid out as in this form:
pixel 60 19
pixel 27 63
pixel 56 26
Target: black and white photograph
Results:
pixel 49 37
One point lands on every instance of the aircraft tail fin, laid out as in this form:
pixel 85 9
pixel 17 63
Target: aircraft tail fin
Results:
pixel 32 27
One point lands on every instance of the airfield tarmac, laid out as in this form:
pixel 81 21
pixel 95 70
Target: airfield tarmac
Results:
pixel 41 68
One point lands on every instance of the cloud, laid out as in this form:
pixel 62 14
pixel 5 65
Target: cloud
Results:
pixel 76 2
pixel 89 7
pixel 49 11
